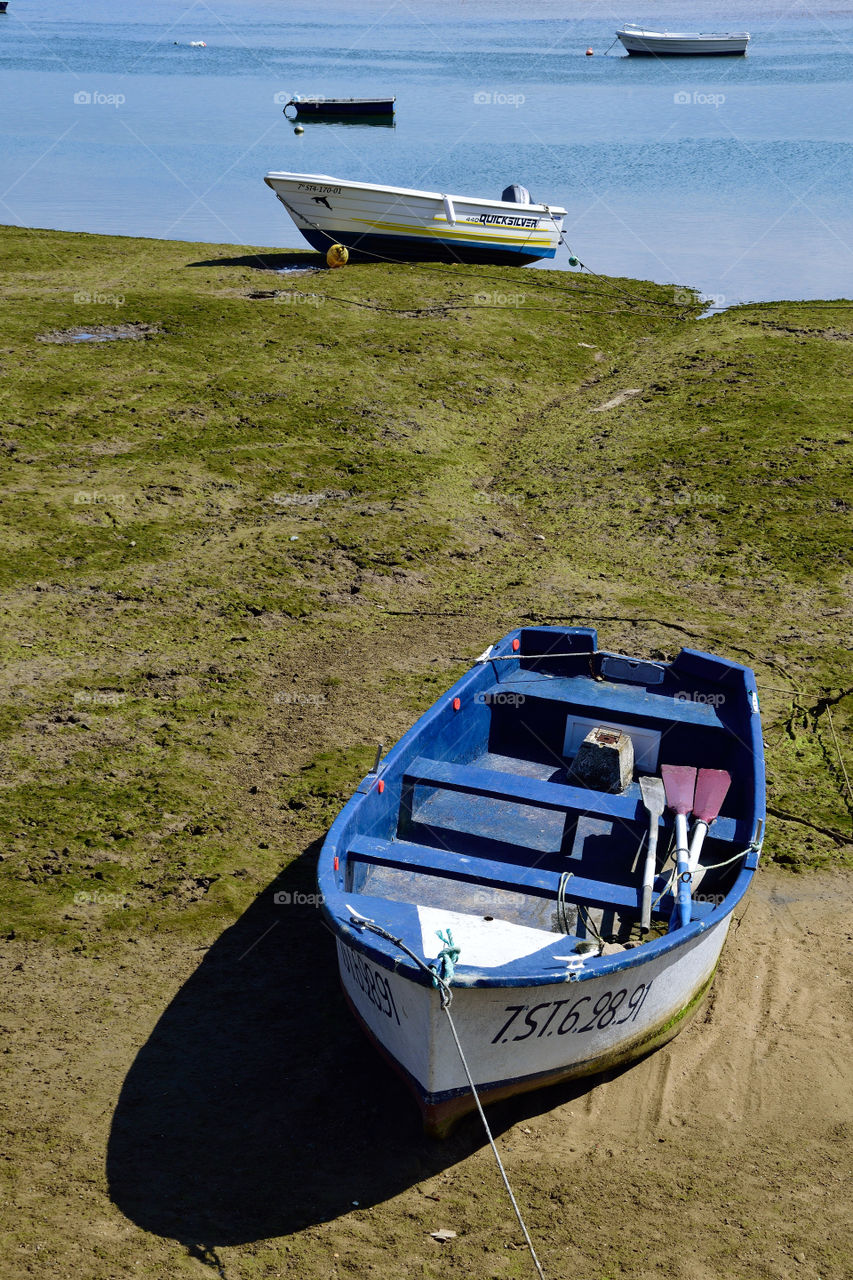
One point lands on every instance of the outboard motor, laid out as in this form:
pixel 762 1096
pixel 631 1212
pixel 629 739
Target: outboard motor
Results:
pixel 516 194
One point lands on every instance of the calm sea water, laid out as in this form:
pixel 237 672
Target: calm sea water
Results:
pixel 734 175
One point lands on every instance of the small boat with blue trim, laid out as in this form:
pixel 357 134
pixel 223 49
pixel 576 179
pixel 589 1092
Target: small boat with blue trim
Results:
pixel 405 225
pixel 517 858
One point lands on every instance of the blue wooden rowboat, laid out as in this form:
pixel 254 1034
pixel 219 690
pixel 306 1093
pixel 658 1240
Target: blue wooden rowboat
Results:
pixel 475 849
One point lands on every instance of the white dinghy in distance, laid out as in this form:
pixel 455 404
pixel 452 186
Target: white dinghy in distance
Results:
pixel 664 43
pixel 410 226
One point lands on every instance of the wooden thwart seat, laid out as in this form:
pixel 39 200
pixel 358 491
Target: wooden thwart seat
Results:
pixel 610 700
pixel 458 866
pixel 521 789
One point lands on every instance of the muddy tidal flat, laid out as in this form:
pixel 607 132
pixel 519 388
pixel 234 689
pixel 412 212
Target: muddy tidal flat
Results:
pixel 256 519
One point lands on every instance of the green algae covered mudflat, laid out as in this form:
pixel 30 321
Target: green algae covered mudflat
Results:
pixel 283 460
pixel 254 521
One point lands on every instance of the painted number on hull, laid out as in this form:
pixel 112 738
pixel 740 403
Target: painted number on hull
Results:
pixel 612 1008
pixel 376 987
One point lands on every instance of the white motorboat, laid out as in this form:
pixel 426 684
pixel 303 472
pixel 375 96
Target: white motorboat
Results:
pixel 663 43
pixel 406 225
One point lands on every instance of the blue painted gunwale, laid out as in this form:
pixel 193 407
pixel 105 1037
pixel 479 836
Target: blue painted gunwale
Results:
pixel 374 814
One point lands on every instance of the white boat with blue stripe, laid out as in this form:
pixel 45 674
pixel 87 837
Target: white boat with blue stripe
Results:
pixel 512 852
pixel 376 222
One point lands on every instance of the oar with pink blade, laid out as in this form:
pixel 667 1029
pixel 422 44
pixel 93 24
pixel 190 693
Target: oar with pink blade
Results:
pixel 712 787
pixel 680 783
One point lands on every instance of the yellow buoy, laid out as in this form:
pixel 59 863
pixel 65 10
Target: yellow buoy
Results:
pixel 338 256
pixel 299 129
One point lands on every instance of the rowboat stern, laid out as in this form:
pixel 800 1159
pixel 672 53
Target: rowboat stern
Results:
pixel 599 1014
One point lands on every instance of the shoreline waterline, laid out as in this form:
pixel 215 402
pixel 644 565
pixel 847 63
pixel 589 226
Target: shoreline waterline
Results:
pixel 736 178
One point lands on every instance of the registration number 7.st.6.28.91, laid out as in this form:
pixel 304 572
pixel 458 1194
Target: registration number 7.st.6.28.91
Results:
pixel 612 1008
pixel 372 983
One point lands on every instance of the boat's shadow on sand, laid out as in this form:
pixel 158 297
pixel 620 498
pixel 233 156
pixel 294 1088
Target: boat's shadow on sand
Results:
pixel 257 1108
pixel 292 260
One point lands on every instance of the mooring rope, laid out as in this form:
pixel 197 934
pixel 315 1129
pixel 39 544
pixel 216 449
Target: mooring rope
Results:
pixel 716 866
pixel 513 1201
pixel 562 914
pixel 838 749
pixel 446 961
pixel 582 912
